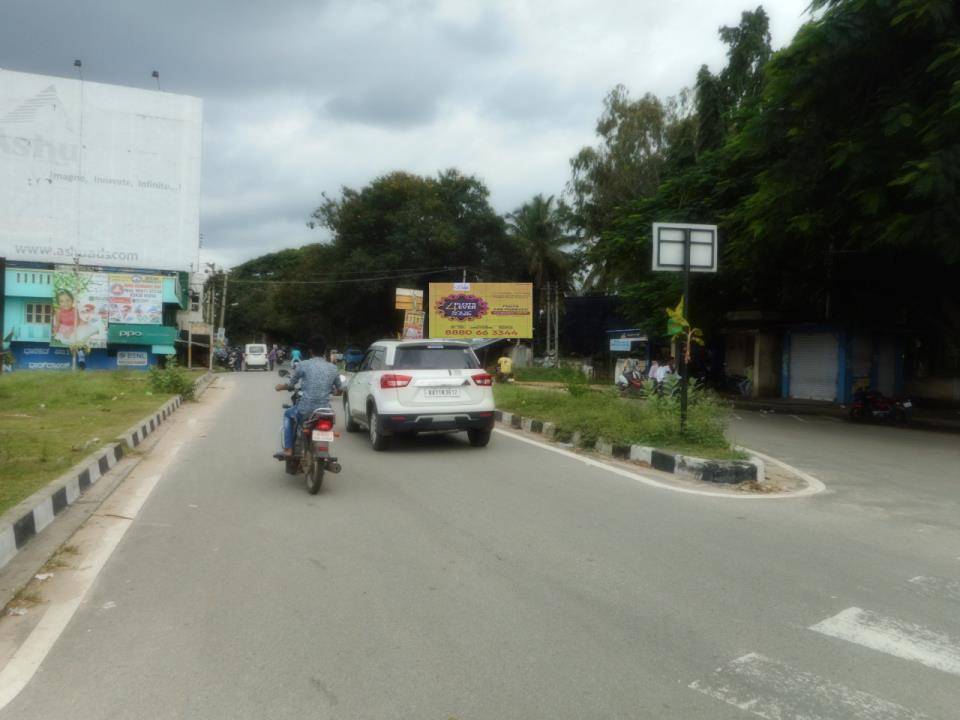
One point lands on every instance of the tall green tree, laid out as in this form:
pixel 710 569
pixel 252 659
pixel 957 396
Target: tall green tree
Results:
pixel 400 229
pixel 626 163
pixel 537 229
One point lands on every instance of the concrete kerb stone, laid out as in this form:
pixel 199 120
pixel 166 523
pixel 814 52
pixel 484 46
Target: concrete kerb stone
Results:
pixel 604 447
pixel 641 454
pixel 26 520
pixel 202 383
pixel 716 471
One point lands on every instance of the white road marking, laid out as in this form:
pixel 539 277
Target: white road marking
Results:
pixel 797 417
pixel 937 587
pixel 813 485
pixel 737 416
pixel 111 528
pixel 894 637
pixel 775 691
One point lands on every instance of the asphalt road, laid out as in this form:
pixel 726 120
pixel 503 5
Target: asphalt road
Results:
pixel 441 581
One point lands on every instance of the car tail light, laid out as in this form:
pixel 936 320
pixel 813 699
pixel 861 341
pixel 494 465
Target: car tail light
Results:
pixel 392 380
pixel 324 424
pixel 483 379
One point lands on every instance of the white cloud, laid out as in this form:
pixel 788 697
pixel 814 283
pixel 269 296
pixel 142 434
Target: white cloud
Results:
pixel 303 97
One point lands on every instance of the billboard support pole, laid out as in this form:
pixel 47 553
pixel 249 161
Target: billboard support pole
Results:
pixel 684 370
pixel 556 322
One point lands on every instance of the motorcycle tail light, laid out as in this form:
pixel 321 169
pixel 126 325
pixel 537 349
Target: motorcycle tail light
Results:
pixel 324 424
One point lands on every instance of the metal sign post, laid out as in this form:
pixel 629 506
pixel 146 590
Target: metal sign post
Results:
pixel 687 248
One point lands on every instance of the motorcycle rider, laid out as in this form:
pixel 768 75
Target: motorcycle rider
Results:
pixel 318 380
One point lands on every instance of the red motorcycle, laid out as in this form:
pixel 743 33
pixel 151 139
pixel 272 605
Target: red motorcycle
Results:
pixel 874 405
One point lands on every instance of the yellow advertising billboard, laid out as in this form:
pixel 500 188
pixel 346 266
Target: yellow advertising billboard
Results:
pixel 481 310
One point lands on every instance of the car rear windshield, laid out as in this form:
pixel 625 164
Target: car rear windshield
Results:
pixel 435 357
pixel 256 349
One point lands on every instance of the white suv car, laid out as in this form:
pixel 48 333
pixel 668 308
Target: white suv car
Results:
pixel 420 386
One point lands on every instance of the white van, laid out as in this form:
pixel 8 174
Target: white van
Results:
pixel 255 357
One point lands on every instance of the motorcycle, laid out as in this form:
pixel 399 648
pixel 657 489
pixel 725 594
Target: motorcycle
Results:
pixel 312 445
pixel 874 405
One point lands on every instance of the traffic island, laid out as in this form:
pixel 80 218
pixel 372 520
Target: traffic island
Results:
pixel 727 472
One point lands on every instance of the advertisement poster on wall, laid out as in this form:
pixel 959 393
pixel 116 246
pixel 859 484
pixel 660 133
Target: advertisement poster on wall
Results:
pixel 481 310
pixel 80 308
pixel 136 299
pixel 413 324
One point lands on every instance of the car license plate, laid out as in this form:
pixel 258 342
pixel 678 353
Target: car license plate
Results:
pixel 442 392
pixel 323 436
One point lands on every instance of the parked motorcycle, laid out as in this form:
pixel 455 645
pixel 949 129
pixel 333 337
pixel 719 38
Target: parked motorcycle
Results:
pixel 874 405
pixel 312 445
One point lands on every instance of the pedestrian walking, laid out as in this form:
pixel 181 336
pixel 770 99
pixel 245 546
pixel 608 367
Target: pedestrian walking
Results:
pixel 81 359
pixel 272 357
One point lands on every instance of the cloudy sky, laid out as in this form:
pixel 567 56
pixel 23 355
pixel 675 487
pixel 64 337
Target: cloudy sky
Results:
pixel 302 97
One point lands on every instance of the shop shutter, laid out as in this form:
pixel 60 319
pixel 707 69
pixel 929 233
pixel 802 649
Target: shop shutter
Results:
pixel 813 366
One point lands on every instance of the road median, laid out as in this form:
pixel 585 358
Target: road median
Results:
pixel 24 520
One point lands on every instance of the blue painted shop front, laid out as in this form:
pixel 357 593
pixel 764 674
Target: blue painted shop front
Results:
pixel 40 356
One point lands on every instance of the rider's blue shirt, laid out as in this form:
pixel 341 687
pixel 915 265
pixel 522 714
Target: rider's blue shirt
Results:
pixel 317 379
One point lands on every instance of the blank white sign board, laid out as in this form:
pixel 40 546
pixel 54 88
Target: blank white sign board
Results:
pixel 668 242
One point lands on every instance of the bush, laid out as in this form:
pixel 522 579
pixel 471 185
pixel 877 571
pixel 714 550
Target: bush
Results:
pixel 577 385
pixel 171 380
pixel 546 374
pixel 654 420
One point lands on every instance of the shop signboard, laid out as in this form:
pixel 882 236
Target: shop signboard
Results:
pixel 409 299
pixel 132 358
pixel 142 335
pixel 481 310
pixel 41 357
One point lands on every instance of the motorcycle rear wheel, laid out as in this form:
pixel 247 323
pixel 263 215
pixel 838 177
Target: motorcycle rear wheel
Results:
pixel 314 476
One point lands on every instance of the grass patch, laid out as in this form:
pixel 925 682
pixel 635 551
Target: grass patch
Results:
pixel 59 559
pixel 25 598
pixel 653 422
pixel 542 374
pixel 49 421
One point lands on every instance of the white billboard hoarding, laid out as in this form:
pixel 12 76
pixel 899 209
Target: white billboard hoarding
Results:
pixel 100 174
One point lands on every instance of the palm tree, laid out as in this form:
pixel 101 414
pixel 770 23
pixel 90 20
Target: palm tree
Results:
pixel 538 229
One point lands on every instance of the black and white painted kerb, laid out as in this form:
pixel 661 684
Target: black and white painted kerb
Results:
pixel 22 522
pixel 716 471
